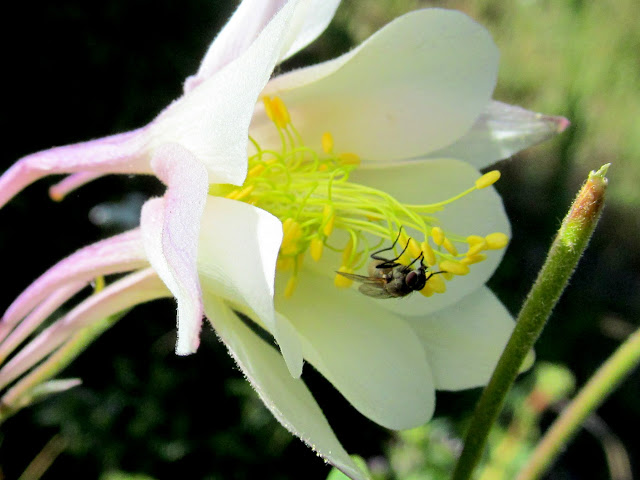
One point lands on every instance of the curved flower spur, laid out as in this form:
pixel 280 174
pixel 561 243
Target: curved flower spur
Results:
pixel 255 182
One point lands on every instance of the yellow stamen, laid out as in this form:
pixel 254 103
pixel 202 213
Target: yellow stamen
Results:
pixel 327 142
pixel 476 244
pixel 284 264
pixel 347 252
pixel 244 193
pixel 454 267
pixel 341 281
pixel 328 220
pixel 496 241
pixel 438 235
pixel 449 247
pixel 471 259
pixel 292 233
pixel 427 291
pixel 436 283
pixel 349 159
pixel 414 248
pixel 316 247
pixel 255 171
pixel 488 179
pixel 280 113
pixel 292 283
pixel 429 255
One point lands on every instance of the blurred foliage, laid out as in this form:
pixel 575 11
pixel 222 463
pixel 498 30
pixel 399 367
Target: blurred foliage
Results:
pixel 89 69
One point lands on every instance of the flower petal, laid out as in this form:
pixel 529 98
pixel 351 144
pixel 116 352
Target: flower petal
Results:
pixel 413 87
pixel 239 246
pixel 212 120
pixel 286 397
pixel 170 228
pixel 121 153
pixel 132 290
pixel 120 253
pixel 501 131
pixel 309 20
pixel 12 337
pixel 370 355
pixel 479 213
pixel 464 342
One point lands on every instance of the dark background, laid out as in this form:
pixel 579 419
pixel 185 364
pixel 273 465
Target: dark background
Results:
pixel 80 70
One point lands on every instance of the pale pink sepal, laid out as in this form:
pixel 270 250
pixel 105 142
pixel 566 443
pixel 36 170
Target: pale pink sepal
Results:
pixel 132 290
pixel 32 321
pixel 61 189
pixel 120 253
pixel 286 397
pixel 171 227
pixel 114 154
pixel 501 131
pixel 249 19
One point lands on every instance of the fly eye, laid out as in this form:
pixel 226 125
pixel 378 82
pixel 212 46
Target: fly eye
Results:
pixel 415 280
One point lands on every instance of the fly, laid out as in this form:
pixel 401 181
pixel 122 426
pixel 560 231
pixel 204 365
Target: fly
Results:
pixel 390 279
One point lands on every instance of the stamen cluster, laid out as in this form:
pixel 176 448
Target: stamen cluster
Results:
pixel 311 193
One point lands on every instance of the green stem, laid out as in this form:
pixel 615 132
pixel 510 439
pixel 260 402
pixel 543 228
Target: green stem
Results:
pixel 592 395
pixel 565 252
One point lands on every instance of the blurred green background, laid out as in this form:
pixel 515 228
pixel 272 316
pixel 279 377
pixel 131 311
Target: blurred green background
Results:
pixel 78 70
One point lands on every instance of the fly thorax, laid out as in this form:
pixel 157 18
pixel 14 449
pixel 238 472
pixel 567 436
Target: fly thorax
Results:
pixel 310 192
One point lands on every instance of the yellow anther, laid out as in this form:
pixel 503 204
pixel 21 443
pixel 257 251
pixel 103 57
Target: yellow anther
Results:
pixel 347 252
pixel 454 267
pixel 316 247
pixel 488 179
pixel 292 283
pixel 348 158
pixel 292 232
pixel 450 247
pixel 341 281
pixel 284 264
pixel 268 108
pixel 280 113
pixel 438 235
pixel 476 244
pixel 448 276
pixel 429 255
pixel 436 283
pixel 328 219
pixel 496 241
pixel 471 259
pixel 427 291
pixel 244 193
pixel 233 194
pixel 327 142
pixel 255 170
pixel 414 248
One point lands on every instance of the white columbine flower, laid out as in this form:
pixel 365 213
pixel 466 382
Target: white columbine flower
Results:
pixel 346 155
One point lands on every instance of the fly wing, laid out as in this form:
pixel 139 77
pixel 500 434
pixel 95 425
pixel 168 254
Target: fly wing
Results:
pixel 375 290
pixel 362 278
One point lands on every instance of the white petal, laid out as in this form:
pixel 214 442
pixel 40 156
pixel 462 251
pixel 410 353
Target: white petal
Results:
pixel 310 19
pixel 479 213
pixel 212 120
pixel 464 342
pixel 371 356
pixel 414 87
pixel 170 227
pixel 501 131
pixel 286 397
pixel 239 246
pixel 288 336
